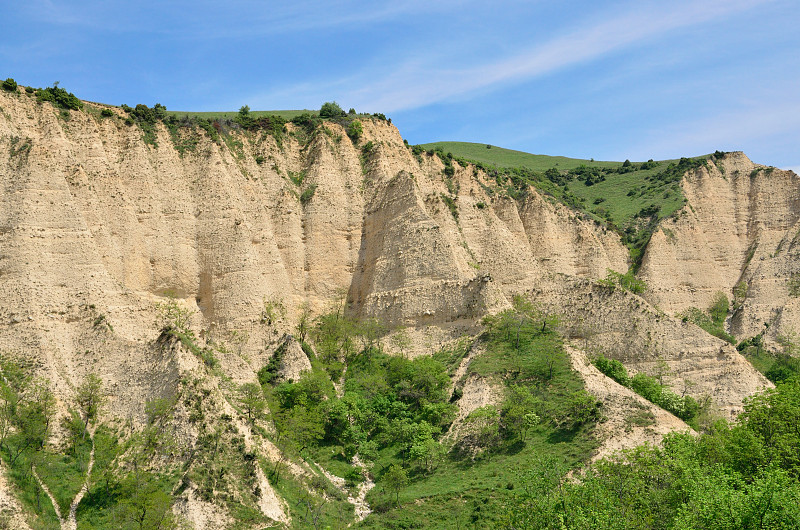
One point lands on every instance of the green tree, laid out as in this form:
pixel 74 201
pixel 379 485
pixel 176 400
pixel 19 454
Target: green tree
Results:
pixel 518 413
pixel 484 427
pixel 90 398
pixel 355 130
pixel 144 505
pixel 427 451
pixel 395 479
pixel 304 427
pixel 251 398
pixel 330 110
pixel 719 308
pixel 774 416
pixel 401 340
pixel 10 85
pixel 303 322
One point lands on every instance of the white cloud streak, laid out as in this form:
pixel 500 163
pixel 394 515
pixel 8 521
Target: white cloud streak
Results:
pixel 236 19
pixel 415 84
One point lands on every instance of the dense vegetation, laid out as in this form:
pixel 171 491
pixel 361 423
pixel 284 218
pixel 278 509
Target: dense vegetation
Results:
pixel 138 498
pixel 392 413
pixel 778 366
pixel 685 407
pixel 734 476
pixel 712 320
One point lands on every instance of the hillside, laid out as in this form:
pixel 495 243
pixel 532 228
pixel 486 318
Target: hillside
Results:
pixel 283 315
pixel 493 155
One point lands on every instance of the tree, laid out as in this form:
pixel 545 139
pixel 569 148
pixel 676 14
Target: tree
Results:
pixel 144 505
pixel 10 85
pixel 401 340
pixel 355 130
pixel 303 427
pixel 518 413
pixel 330 110
pixel 35 413
pixel 719 308
pixel 396 479
pixel 273 311
pixel 304 322
pixel 773 416
pixel 524 318
pixel 90 398
pixel 369 331
pixel 251 397
pixel 427 451
pixel 172 317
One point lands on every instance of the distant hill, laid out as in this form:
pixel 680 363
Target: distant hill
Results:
pixel 498 156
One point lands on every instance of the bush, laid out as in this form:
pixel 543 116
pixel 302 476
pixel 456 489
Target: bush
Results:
pixel 355 130
pixel 306 196
pixel 627 281
pixel 10 85
pixel 106 113
pixel 307 121
pixel 613 369
pixel 60 98
pixel 330 110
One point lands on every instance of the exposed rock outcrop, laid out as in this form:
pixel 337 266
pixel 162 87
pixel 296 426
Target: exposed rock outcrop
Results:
pixel 97 228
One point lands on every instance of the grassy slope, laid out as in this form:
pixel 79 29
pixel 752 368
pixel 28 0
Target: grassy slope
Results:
pixel 462 492
pixel 501 157
pixel 618 198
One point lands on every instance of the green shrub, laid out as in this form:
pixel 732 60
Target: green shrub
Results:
pixel 307 194
pixel 627 281
pixel 60 98
pixel 147 118
pixel 355 130
pixel 106 113
pixel 613 369
pixel 719 308
pixel 10 85
pixel 451 205
pixel 712 321
pixel 330 110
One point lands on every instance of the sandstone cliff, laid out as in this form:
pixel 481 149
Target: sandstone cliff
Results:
pixel 97 228
pixel 739 228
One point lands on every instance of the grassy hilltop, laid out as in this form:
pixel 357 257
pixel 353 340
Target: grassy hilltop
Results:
pixel 631 197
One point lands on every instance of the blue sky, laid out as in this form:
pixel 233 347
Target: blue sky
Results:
pixel 609 80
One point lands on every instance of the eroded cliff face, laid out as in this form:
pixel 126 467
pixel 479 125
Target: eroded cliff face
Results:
pixel 95 222
pixel 739 228
pixel 97 228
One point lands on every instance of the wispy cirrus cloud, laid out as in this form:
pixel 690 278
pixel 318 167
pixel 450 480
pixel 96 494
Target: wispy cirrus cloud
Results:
pixel 210 19
pixel 418 83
